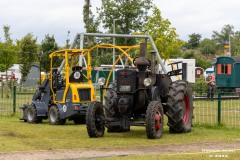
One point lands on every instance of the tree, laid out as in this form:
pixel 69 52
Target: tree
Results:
pixel 48 45
pixel 208 46
pixel 7 51
pixel 164 36
pixel 131 15
pixel 194 40
pixel 91 24
pixel 28 53
pixel 8 56
pixel 235 44
pixel 6 30
pixel 201 61
pixel 222 37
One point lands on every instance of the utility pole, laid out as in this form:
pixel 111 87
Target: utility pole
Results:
pixel 229 44
pixel 114 43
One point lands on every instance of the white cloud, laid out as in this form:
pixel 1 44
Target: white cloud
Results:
pixel 59 16
pixel 200 16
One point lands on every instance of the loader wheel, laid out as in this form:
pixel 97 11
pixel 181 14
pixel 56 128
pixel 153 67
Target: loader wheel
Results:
pixel 154 120
pixel 54 116
pixel 95 124
pixel 32 115
pixel 180 107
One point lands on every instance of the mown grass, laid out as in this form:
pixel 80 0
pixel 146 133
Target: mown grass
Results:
pixel 20 136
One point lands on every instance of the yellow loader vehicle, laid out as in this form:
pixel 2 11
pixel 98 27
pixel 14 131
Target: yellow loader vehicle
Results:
pixel 65 93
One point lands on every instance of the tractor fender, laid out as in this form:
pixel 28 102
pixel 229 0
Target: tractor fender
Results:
pixel 42 108
pixel 155 95
pixel 62 110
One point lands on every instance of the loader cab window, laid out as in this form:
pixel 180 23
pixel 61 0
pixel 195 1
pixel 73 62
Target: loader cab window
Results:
pixel 224 69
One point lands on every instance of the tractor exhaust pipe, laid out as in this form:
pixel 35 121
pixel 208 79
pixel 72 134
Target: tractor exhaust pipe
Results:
pixel 153 67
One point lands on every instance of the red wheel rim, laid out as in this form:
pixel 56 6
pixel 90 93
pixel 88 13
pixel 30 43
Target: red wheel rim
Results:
pixel 187 109
pixel 158 120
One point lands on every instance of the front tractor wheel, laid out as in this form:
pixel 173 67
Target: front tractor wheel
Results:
pixel 94 121
pixel 154 120
pixel 32 115
pixel 180 107
pixel 54 116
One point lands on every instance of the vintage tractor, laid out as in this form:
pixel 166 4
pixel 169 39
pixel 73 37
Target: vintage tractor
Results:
pixel 141 96
pixel 64 94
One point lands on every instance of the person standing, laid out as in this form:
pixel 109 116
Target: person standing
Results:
pixel 210 80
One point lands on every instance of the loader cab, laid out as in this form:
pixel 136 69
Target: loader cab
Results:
pixel 67 81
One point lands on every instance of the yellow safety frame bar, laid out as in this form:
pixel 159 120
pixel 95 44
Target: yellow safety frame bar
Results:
pixel 66 54
pixel 120 48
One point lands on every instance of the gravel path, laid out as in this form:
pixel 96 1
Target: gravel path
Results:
pixel 74 154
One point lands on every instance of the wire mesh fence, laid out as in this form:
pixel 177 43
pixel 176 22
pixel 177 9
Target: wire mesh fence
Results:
pixel 11 98
pixel 224 109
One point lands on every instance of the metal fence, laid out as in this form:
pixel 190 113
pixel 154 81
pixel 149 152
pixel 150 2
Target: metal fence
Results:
pixel 225 109
pixel 11 98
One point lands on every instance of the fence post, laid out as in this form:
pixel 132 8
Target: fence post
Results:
pixel 219 107
pixel 101 94
pixel 2 87
pixel 14 98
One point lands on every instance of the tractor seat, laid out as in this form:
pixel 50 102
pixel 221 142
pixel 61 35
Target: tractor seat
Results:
pixel 73 78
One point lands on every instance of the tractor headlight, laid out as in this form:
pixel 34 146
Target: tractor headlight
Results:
pixel 101 81
pixel 77 75
pixel 147 82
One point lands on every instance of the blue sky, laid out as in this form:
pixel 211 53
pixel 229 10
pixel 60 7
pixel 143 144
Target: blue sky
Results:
pixel 60 16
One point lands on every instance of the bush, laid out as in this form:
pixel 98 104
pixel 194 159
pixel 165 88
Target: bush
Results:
pixel 200 86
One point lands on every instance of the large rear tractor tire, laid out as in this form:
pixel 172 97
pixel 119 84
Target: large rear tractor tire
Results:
pixel 154 120
pixel 180 107
pixel 32 115
pixel 54 116
pixel 110 94
pixel 94 121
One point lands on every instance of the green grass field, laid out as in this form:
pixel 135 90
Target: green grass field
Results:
pixel 20 136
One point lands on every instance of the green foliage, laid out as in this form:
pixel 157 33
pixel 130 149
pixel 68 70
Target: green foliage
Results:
pixel 91 24
pixel 105 58
pixel 194 40
pixel 8 56
pixel 164 36
pixel 201 61
pixel 8 51
pixel 28 53
pixel 6 30
pixel 235 44
pixel 208 46
pixel 131 14
pixel 222 37
pixel 48 46
pixel 200 86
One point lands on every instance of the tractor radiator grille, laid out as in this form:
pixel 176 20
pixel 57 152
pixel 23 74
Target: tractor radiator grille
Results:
pixel 84 94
